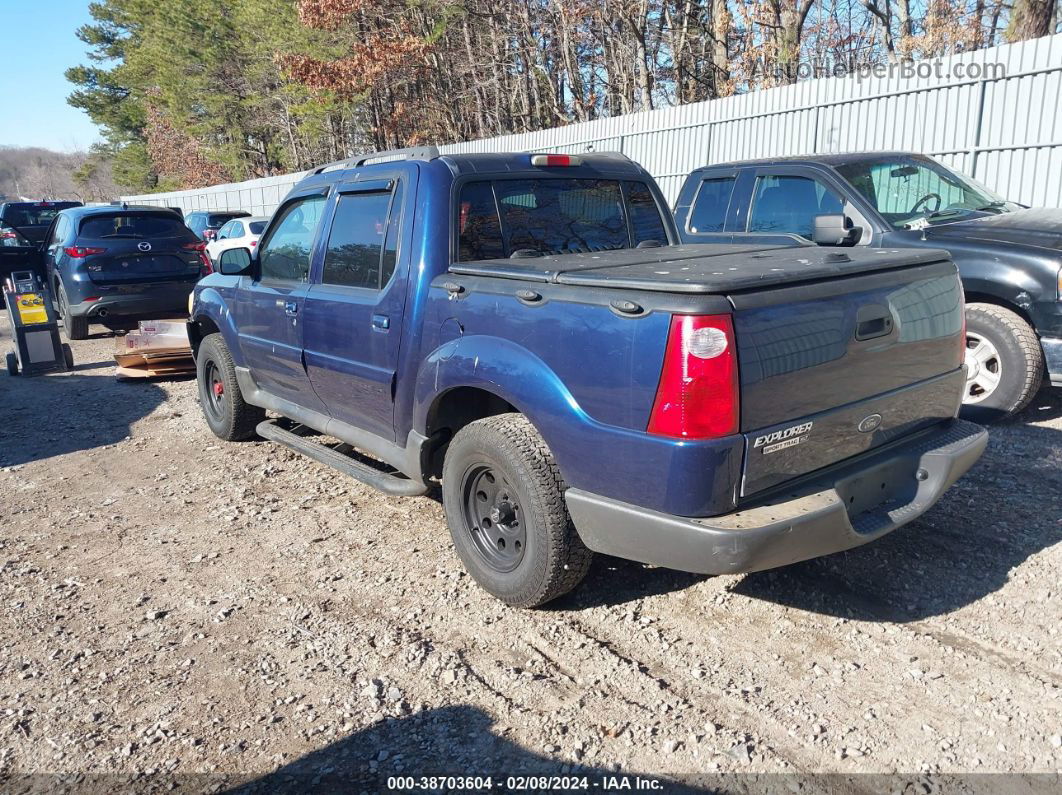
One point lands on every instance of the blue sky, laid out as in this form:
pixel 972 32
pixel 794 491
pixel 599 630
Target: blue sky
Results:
pixel 38 46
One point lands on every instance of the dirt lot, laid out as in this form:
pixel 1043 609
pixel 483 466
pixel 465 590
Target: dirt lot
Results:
pixel 174 604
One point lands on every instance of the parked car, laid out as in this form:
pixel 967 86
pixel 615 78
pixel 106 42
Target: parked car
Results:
pixel 1008 255
pixel 206 224
pixel 525 328
pixel 113 265
pixel 237 233
pixel 32 219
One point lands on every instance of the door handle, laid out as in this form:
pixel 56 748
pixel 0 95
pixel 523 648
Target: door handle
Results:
pixel 382 322
pixel 291 308
pixel 873 322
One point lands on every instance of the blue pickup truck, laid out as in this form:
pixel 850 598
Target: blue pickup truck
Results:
pixel 526 329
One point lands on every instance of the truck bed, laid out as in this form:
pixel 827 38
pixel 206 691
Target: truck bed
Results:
pixel 700 269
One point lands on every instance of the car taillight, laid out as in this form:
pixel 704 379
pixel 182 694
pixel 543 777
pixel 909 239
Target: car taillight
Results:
pixel 254 243
pixel 77 252
pixel 197 246
pixel 697 397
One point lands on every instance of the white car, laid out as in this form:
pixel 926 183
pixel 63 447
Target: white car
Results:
pixel 237 233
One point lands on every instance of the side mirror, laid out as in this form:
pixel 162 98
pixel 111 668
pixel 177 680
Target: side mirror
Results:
pixel 836 230
pixel 235 262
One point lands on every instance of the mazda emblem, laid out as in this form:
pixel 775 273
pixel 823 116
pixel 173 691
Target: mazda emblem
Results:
pixel 871 423
pixel 145 246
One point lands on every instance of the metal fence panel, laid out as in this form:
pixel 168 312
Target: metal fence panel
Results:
pixel 1005 128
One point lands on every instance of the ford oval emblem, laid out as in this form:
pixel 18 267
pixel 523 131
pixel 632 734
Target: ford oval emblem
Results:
pixel 871 423
pixel 145 246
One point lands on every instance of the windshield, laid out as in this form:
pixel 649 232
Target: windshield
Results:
pixel 139 226
pixel 910 192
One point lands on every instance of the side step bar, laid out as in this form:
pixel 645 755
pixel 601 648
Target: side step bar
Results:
pixel 398 485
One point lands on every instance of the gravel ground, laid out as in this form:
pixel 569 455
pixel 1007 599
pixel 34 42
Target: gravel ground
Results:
pixel 173 604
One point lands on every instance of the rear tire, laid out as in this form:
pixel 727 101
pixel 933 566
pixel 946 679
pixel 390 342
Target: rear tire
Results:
pixel 12 364
pixel 504 501
pixel 227 414
pixel 1004 361
pixel 68 356
pixel 74 328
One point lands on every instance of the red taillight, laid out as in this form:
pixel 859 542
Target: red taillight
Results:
pixel 556 160
pixel 198 246
pixel 254 243
pixel 77 252
pixel 697 397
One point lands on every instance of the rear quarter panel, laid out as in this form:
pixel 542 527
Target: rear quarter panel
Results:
pixel 586 378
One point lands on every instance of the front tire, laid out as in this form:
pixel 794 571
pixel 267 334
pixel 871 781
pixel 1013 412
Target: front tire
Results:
pixel 504 500
pixel 1004 362
pixel 12 364
pixel 227 414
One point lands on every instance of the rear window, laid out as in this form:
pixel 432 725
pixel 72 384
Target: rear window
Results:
pixel 33 215
pixel 535 217
pixel 132 225
pixel 257 227
pixel 218 220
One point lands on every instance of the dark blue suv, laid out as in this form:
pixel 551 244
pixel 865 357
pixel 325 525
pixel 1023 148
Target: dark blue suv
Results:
pixel 113 264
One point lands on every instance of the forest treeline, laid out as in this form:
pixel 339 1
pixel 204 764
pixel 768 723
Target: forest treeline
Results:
pixel 32 172
pixel 195 92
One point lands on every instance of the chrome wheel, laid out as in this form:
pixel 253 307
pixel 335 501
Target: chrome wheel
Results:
pixel 983 368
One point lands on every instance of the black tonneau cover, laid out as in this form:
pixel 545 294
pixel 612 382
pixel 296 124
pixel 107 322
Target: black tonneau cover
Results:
pixel 703 268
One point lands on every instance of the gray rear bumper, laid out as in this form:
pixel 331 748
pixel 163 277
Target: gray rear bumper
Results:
pixel 165 302
pixel 844 507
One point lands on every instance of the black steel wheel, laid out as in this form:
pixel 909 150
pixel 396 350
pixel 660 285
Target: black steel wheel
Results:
pixel 504 499
pixel 493 517
pixel 229 416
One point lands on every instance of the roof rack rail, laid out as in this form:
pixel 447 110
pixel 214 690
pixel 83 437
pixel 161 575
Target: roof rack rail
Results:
pixel 409 153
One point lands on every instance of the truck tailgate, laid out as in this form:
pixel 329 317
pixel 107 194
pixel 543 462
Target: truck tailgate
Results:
pixel 833 369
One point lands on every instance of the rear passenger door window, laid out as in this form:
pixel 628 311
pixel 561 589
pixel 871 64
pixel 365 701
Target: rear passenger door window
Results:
pixel 363 242
pixel 285 253
pixel 711 205
pixel 788 204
